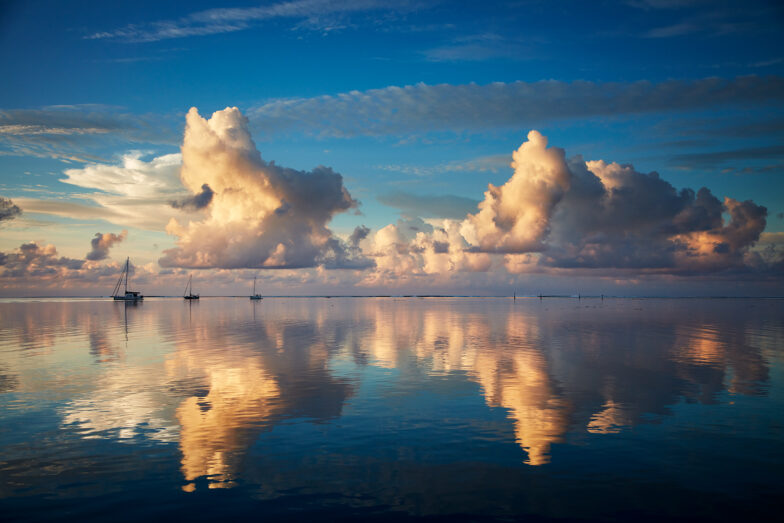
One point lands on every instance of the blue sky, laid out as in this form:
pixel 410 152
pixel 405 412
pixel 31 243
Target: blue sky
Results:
pixel 417 105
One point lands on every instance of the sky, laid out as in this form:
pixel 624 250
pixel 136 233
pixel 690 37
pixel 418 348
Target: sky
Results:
pixel 629 148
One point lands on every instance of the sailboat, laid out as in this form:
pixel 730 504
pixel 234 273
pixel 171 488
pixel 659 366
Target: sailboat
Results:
pixel 255 296
pixel 188 294
pixel 126 295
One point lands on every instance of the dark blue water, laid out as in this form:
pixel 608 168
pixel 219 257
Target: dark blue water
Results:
pixel 382 408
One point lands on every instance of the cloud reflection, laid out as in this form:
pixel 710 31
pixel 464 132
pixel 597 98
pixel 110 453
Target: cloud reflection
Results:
pixel 215 376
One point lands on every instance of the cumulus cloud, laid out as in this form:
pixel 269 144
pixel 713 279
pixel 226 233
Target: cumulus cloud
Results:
pixel 102 243
pixel 8 210
pixel 617 217
pixel 596 215
pixel 413 248
pixel 33 260
pixel 261 214
pixel 555 214
pixel 516 216
pixel 38 269
pixel 424 108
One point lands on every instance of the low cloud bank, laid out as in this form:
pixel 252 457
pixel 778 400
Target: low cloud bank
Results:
pixel 31 260
pixel 553 216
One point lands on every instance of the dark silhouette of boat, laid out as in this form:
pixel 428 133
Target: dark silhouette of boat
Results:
pixel 255 295
pixel 188 293
pixel 126 295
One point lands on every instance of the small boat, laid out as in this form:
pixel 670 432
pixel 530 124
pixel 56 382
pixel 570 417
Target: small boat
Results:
pixel 126 295
pixel 255 295
pixel 188 294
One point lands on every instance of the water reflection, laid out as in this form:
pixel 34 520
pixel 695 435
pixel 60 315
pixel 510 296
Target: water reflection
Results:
pixel 216 376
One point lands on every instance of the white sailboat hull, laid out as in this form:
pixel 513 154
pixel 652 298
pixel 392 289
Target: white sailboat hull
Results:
pixel 129 297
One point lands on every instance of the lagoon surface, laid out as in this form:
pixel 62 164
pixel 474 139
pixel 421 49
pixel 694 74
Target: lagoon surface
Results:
pixel 385 408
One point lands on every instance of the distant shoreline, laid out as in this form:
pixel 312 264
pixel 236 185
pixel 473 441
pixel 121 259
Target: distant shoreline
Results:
pixel 420 296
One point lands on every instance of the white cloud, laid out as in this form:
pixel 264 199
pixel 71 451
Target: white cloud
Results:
pixel 516 216
pixel 261 214
pixel 554 214
pixel 134 193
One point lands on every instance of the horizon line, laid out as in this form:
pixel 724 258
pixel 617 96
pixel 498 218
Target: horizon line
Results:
pixel 498 296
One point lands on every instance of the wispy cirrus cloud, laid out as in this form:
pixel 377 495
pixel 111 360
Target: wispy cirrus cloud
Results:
pixel 67 209
pixel 664 4
pixel 313 14
pixel 430 205
pixel 134 192
pixel 710 19
pixel 425 108
pixel 712 158
pixel 70 132
pixel 492 163
pixel 474 48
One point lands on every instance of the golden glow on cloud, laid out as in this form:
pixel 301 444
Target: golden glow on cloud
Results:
pixel 215 428
pixel 610 420
pixel 553 216
pixel 216 390
pixel 260 214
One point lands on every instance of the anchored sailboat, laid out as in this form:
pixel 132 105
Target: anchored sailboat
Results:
pixel 188 294
pixel 255 295
pixel 127 295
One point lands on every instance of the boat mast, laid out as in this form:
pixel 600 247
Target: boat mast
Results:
pixel 127 261
pixel 254 285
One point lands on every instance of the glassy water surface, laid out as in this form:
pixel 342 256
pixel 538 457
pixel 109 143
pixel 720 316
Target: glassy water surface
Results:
pixel 385 408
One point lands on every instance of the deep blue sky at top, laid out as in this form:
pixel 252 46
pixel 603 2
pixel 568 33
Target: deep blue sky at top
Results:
pixel 48 58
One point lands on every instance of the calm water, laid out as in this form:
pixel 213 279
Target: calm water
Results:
pixel 391 408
